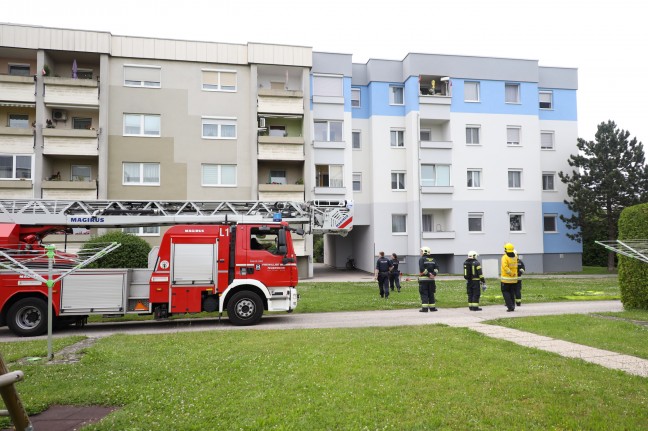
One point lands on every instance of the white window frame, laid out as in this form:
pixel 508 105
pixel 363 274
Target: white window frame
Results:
pixel 356 144
pixel 219 85
pixel 476 88
pixel 555 222
pixel 329 123
pixel 476 216
pixel 550 133
pixel 398 181
pixel 331 182
pixel 393 93
pixel 397 219
pixel 397 138
pixel 473 130
pixel 514 87
pixel 521 218
pixel 550 102
pixel 143 231
pixel 141 174
pixel 25 121
pixel 139 83
pixel 519 175
pixel 219 175
pixel 356 98
pixel 142 123
pixel 434 182
pixel 511 140
pixel 357 179
pixel 471 173
pixel 74 177
pixel 551 175
pixel 219 122
pixel 14 166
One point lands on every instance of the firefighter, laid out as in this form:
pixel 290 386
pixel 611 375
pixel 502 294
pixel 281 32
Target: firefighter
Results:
pixel 509 276
pixel 382 274
pixel 394 273
pixel 474 280
pixel 518 286
pixel 428 269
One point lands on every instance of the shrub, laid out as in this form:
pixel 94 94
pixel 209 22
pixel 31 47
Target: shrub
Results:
pixel 633 224
pixel 133 252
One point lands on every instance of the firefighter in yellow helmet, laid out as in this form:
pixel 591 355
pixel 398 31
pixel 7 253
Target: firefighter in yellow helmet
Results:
pixel 428 269
pixel 509 275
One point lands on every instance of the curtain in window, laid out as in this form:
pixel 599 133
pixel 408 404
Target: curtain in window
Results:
pixel 514 179
pixel 132 124
pixel 6 166
pixel 397 94
pixel 210 130
pixel 152 125
pixel 151 172
pixel 336 176
pixel 321 131
pixel 210 174
pixel 512 93
pixel 131 173
pixel 428 176
pixel 23 167
pixel 428 222
pixel 472 135
pixel 228 175
pixel 471 91
pixel 399 222
pixel 335 131
pixel 228 131
pixel 442 175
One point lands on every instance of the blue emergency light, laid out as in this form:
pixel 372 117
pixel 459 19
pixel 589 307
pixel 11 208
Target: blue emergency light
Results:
pixel 276 216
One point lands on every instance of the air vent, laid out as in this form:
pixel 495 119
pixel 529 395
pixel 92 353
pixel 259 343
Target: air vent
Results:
pixel 59 115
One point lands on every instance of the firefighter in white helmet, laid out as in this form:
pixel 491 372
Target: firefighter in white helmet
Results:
pixel 428 269
pixel 509 276
pixel 474 280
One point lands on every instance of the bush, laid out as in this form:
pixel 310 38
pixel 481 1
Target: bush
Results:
pixel 318 248
pixel 633 224
pixel 133 252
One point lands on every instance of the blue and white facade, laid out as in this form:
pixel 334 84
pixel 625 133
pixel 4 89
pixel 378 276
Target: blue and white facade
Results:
pixel 451 152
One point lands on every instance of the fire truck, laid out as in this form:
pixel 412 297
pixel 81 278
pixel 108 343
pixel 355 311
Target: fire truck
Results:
pixel 220 256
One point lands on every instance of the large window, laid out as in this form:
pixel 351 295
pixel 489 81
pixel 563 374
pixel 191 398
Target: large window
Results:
pixel 14 167
pixel 474 178
pixel 141 174
pixel 399 223
pixel 355 98
pixel 475 222
pixel 398 180
pixel 141 125
pixel 471 91
pixel 427 222
pixel 512 93
pixel 515 222
pixel 546 99
pixel 328 131
pixel 548 181
pixel 472 135
pixel 218 80
pixel 81 123
pixel 218 128
pixel 435 175
pixel 143 231
pixel 142 76
pixel 357 182
pixel 550 223
pixel 219 175
pixel 81 173
pixel 355 135
pixel 546 140
pixel 328 85
pixel 19 120
pixel 397 138
pixel 513 135
pixel 19 69
pixel 396 95
pixel 329 176
pixel 515 179
pixel 425 135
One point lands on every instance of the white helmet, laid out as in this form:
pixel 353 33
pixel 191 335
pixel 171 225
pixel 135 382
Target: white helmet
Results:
pixel 473 254
pixel 426 250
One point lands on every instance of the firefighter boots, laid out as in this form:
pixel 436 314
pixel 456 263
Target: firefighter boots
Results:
pixel 423 310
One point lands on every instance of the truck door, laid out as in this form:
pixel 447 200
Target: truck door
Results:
pixel 267 259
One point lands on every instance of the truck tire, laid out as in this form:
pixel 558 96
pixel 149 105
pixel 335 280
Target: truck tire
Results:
pixel 245 308
pixel 28 317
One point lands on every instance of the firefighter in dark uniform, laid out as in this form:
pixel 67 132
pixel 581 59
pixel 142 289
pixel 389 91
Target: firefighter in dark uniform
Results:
pixel 518 286
pixel 474 280
pixel 382 274
pixel 428 269
pixel 394 273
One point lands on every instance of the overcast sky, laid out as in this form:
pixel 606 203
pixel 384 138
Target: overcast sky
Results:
pixel 605 40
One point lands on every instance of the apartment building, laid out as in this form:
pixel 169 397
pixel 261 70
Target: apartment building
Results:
pixel 450 152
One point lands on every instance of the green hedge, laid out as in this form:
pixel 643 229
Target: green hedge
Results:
pixel 633 274
pixel 133 252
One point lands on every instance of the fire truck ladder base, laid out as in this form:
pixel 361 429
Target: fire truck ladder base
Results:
pixel 632 248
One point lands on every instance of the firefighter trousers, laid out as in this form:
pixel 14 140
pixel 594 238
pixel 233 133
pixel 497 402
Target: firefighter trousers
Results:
pixel 427 289
pixel 508 292
pixel 473 289
pixel 518 292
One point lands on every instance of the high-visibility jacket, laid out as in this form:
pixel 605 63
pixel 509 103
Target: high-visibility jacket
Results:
pixel 509 269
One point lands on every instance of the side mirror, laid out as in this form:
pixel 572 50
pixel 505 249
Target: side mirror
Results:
pixel 281 239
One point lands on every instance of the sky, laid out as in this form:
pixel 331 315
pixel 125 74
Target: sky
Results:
pixel 605 40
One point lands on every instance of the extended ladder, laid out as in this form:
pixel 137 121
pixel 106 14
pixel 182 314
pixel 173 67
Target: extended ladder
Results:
pixel 633 248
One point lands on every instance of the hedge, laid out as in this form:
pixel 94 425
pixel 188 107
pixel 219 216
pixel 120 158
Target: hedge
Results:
pixel 633 274
pixel 133 252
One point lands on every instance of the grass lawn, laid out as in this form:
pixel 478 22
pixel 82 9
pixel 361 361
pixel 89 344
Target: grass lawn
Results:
pixel 402 378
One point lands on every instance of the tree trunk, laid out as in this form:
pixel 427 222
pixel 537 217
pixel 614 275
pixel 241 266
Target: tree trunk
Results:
pixel 612 235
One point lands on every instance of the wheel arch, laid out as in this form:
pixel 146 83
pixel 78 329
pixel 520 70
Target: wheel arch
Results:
pixel 258 289
pixel 17 297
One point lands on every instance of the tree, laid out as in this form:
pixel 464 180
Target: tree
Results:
pixel 133 252
pixel 610 174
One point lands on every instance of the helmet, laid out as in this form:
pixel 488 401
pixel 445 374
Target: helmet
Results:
pixel 473 254
pixel 426 250
pixel 508 247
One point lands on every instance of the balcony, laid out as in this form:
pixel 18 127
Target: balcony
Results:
pixel 69 190
pixel 437 189
pixel 17 91
pixel 271 101
pixel 71 92
pixel 281 148
pixel 439 235
pixel 436 144
pixel 14 140
pixel 70 142
pixel 281 192
pixel 16 189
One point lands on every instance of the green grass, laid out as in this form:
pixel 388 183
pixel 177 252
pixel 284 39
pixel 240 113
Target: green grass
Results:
pixel 34 348
pixel 617 332
pixel 402 378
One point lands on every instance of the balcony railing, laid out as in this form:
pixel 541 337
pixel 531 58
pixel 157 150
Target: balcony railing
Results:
pixel 280 148
pixel 14 140
pixel 17 89
pixel 70 142
pixel 280 102
pixel 68 91
pixel 74 190
pixel 282 192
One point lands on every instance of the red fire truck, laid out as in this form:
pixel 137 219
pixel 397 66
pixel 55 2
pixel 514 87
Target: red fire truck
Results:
pixel 243 264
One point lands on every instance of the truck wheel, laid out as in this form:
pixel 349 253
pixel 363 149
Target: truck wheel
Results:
pixel 245 308
pixel 28 317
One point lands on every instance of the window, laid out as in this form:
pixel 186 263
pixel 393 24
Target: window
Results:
pixel 546 100
pixel 143 231
pixel 427 223
pixel 512 93
pixel 357 182
pixel 328 85
pixel 141 125
pixel 514 179
pixel 515 222
pixel 435 175
pixel 471 91
pixel 19 69
pixel 513 135
pixel 19 120
pixel 398 181
pixel 84 73
pixel 218 80
pixel 219 175
pixel 546 140
pixel 475 222
pixel 216 128
pixel 548 181
pixel 397 138
pixel 142 76
pixel 81 123
pixel 15 167
pixel 474 178
pixel 399 223
pixel 355 139
pixel 81 173
pixel 355 98
pixel 550 223
pixel 425 135
pixel 472 135
pixel 329 176
pixel 279 131
pixel 328 131
pixel 278 177
pixel 142 174
pixel 396 95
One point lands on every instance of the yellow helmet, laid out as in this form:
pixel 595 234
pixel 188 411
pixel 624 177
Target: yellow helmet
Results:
pixel 426 250
pixel 508 247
